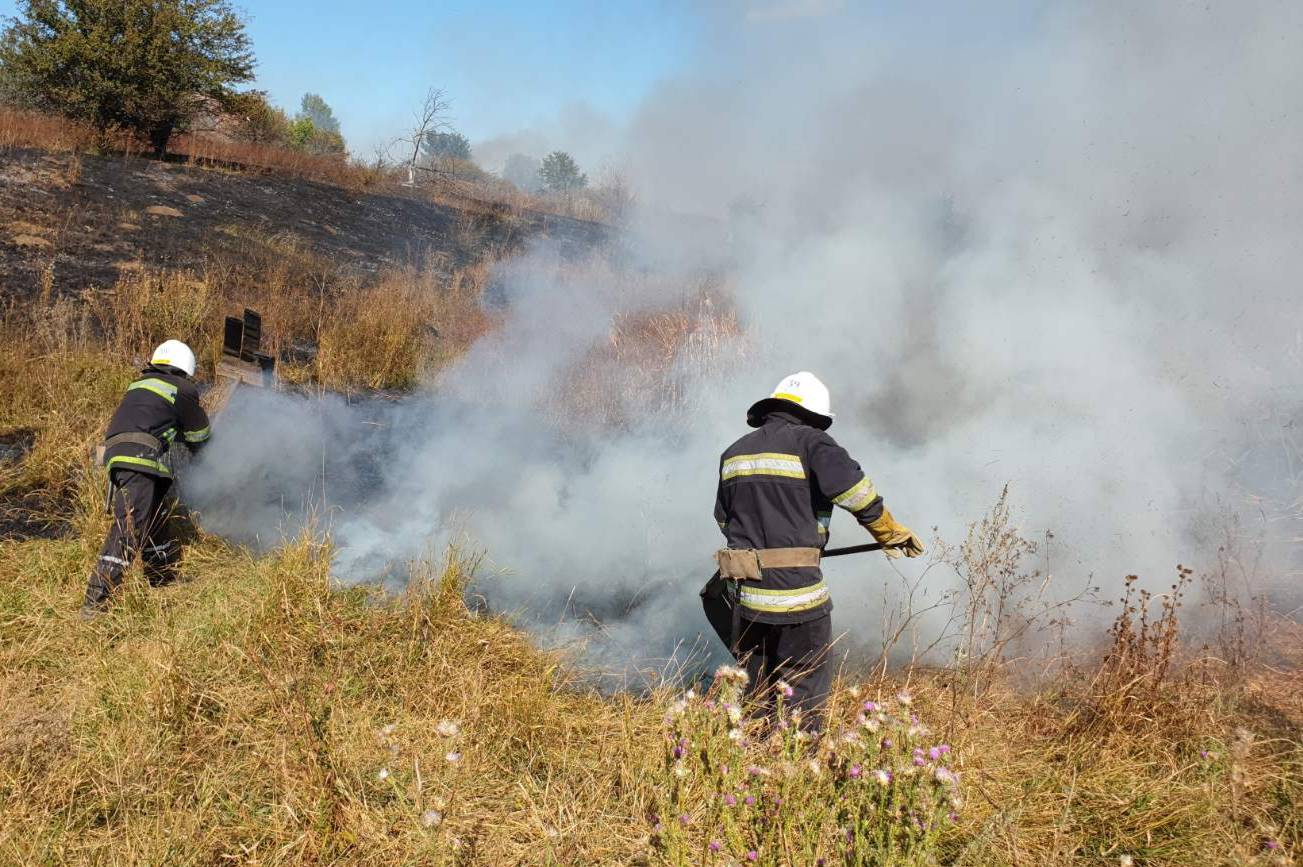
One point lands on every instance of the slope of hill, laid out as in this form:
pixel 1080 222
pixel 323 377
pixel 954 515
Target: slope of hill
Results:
pixel 75 220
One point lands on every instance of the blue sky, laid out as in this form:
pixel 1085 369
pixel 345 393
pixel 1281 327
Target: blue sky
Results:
pixel 505 65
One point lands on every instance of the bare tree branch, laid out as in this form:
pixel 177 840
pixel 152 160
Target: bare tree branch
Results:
pixel 430 118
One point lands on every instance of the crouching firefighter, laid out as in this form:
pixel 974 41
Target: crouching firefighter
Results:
pixel 777 488
pixel 158 408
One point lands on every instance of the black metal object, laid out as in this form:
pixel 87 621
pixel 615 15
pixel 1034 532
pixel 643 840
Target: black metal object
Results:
pixel 242 350
pixel 858 549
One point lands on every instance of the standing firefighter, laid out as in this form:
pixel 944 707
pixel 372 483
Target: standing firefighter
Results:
pixel 159 407
pixel 777 488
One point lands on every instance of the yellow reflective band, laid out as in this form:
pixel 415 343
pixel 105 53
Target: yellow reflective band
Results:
pixel 859 495
pixel 764 464
pixel 198 436
pixel 130 462
pixel 165 390
pixel 783 601
pixel 782 395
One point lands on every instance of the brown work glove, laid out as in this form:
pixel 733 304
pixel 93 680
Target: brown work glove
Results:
pixel 897 539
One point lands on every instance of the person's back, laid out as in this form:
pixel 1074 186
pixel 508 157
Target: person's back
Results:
pixel 162 403
pixel 777 489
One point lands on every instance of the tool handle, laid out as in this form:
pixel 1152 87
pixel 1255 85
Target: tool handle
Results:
pixel 858 549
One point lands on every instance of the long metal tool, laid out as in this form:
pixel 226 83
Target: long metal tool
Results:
pixel 858 549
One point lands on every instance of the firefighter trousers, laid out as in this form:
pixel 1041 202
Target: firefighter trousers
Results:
pixel 141 507
pixel 795 653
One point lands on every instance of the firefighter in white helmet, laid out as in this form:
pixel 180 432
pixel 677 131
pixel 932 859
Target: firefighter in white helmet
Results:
pixel 159 408
pixel 777 489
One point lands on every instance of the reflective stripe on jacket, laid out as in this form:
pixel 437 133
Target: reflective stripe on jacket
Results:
pixel 165 405
pixel 777 489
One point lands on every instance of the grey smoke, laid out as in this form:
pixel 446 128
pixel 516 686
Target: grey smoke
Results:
pixel 1056 247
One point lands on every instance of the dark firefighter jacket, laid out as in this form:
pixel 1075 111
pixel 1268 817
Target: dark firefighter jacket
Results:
pixel 777 488
pixel 164 404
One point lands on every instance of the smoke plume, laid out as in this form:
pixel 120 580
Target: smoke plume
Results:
pixel 1055 247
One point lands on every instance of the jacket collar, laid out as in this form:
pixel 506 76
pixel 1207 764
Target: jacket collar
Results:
pixel 164 369
pixel 785 417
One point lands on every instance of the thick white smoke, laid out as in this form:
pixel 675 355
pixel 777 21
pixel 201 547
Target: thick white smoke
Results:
pixel 1057 248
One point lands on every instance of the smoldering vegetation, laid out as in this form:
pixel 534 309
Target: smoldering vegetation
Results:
pixel 1055 251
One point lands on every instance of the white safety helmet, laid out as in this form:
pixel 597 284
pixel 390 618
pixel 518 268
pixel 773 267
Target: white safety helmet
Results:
pixel 803 392
pixel 176 354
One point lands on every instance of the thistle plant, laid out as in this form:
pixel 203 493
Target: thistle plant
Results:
pixel 875 790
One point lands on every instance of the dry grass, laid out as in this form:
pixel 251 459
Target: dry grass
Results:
pixel 258 715
pixel 650 359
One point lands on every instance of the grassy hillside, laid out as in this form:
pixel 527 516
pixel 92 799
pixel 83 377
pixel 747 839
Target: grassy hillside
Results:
pixel 253 714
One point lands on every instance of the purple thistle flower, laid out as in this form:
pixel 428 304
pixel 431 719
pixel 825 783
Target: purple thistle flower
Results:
pixel 730 801
pixel 919 761
pixel 753 855
pixel 1270 845
pixel 715 846
pixel 685 820
pixel 913 718
pixel 870 707
pixel 917 752
pixel 935 754
pixel 888 743
pixel 945 749
pixel 750 800
pixel 678 751
pixel 778 801
pixel 855 772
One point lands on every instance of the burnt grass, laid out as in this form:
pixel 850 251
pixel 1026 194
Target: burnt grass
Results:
pixel 75 221
pixel 26 514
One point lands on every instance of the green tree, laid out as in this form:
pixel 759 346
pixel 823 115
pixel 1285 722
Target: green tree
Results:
pixel 149 66
pixel 560 173
pixel 320 113
pixel 446 146
pixel 259 120
pixel 301 132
